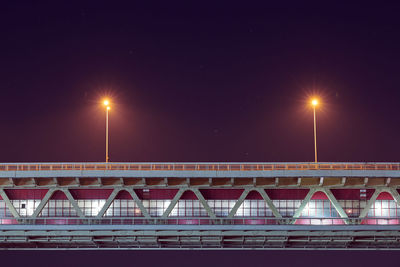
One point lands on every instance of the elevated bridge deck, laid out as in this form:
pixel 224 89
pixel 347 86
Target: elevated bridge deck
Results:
pixel 200 205
pixel 206 174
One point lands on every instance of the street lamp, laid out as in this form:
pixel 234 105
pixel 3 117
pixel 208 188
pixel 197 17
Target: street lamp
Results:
pixel 314 103
pixel 107 104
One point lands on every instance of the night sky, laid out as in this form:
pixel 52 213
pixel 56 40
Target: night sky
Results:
pixel 199 82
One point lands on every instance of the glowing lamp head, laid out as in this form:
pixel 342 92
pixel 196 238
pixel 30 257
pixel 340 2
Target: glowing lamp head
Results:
pixel 106 102
pixel 108 108
pixel 314 102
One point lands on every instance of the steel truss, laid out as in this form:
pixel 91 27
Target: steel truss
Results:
pixel 232 232
pixel 180 238
pixel 392 191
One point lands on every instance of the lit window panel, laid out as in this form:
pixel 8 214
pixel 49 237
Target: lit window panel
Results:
pixel 58 208
pixel 188 208
pixel 123 208
pixel 91 207
pixel 352 208
pixel 221 208
pixel 383 212
pixel 286 207
pixel 156 208
pixel 254 208
pixel 319 209
pixel 25 207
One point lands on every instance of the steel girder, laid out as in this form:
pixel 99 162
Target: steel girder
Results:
pixel 196 191
pixel 113 180
pixel 292 238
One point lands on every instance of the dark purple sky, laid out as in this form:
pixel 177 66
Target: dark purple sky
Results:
pixel 201 82
pixel 220 82
pixel 200 258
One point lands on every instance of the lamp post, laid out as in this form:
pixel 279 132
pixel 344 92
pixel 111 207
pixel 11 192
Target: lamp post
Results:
pixel 314 103
pixel 107 104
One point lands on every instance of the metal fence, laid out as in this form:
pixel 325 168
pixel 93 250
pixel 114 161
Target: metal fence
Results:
pixel 196 166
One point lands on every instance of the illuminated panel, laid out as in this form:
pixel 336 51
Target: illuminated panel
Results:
pixel 383 211
pixel 221 207
pixel 287 207
pixel 91 207
pixel 25 207
pixel 353 207
pixel 189 208
pixel 123 208
pixel 91 201
pixel 254 208
pixel 353 201
pixel 58 208
pixel 156 207
pixel 25 201
pixel 319 210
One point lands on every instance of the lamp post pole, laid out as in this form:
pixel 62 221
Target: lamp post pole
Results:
pixel 107 109
pixel 315 136
pixel 107 105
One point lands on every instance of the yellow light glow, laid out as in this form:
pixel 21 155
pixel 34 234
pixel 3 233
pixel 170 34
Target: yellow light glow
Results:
pixel 108 108
pixel 106 102
pixel 314 102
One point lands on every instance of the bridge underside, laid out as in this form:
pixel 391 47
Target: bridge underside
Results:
pixel 123 237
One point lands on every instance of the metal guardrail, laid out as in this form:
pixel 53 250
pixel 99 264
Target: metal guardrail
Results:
pixel 196 166
pixel 199 221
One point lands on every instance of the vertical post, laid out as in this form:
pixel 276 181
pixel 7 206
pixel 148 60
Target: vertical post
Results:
pixel 107 134
pixel 315 136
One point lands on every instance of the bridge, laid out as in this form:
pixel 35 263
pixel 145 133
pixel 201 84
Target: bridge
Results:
pixel 200 205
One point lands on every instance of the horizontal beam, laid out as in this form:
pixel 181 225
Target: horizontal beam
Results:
pixel 334 230
pixel 200 182
pixel 202 174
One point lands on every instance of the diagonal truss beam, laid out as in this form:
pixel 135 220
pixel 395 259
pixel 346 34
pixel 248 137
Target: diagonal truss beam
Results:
pixel 199 196
pixel 138 202
pixel 108 202
pixel 336 204
pixel 202 200
pixel 395 194
pixel 9 205
pixel 304 203
pixel 263 194
pixel 391 190
pixel 43 203
pixel 173 202
pixel 239 203
pixel 371 201
pixel 73 202
pixel 269 202
pixel 297 214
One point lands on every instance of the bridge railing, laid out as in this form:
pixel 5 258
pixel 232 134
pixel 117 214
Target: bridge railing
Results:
pixel 200 221
pixel 195 166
